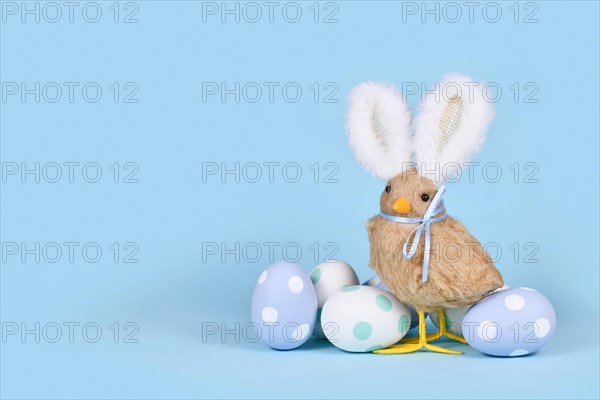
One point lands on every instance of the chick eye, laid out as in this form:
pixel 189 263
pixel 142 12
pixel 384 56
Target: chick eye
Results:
pixel 425 197
pixel 388 188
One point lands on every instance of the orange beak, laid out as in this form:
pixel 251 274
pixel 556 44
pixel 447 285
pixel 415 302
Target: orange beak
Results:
pixel 401 206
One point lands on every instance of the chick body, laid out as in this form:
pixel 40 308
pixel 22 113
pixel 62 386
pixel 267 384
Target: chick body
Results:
pixel 460 270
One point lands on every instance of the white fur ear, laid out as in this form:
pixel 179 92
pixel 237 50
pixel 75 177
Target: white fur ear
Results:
pixel 378 127
pixel 451 125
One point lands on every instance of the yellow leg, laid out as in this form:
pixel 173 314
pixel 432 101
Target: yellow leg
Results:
pixel 436 335
pixel 444 329
pixel 422 343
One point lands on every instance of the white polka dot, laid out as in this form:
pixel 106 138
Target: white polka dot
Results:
pixel 543 327
pixel 295 284
pixel 514 302
pixel 488 331
pixel 262 277
pixel 519 352
pixel 530 289
pixel 301 332
pixel 269 314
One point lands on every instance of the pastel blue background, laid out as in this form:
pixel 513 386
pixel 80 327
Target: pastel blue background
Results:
pixel 171 292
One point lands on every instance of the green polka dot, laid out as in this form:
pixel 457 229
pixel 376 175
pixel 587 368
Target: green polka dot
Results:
pixel 350 288
pixel 448 323
pixel 315 275
pixel 383 302
pixel 403 324
pixel 362 330
pixel 373 348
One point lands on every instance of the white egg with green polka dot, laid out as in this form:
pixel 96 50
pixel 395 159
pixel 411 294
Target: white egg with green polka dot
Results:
pixel 378 283
pixel 364 318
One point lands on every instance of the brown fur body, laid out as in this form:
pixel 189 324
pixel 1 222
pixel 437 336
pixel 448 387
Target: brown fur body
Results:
pixel 460 270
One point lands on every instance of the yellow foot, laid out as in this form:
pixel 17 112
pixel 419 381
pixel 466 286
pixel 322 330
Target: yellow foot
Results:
pixel 410 348
pixel 415 343
pixel 400 349
pixel 430 338
pixel 442 332
pixel 456 337
pixel 434 336
pixel 439 349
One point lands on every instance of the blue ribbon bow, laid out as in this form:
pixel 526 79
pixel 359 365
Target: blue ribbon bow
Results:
pixel 434 213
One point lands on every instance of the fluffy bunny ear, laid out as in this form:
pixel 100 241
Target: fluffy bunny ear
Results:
pixel 378 127
pixel 451 126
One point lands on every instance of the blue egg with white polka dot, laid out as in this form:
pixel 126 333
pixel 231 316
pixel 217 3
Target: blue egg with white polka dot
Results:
pixel 509 323
pixel 284 306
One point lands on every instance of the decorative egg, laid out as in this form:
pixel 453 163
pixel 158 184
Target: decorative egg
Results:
pixel 511 322
pixel 378 283
pixel 328 278
pixel 284 306
pixel 364 318
pixel 454 317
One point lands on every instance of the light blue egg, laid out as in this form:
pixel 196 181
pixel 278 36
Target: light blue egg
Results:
pixel 284 306
pixel 378 283
pixel 512 322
